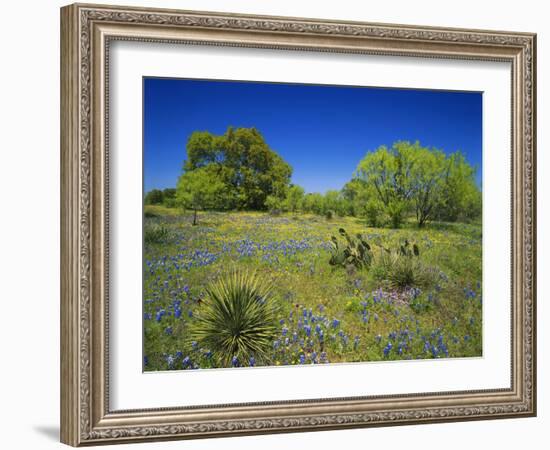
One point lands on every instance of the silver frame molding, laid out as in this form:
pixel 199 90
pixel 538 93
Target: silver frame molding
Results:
pixel 86 33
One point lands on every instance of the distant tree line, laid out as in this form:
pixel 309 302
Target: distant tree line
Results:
pixel 238 171
pixel 166 197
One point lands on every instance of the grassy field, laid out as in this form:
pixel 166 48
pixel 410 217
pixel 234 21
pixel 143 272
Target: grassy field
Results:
pixel 326 314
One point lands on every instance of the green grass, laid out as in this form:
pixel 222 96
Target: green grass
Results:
pixel 324 313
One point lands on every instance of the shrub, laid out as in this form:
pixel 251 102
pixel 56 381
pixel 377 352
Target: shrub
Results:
pixel 170 202
pixel 373 212
pixel 156 234
pixel 150 214
pixel 329 214
pixel 237 319
pixel 356 252
pixel 396 212
pixel 274 205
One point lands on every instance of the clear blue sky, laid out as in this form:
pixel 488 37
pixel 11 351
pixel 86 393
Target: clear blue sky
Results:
pixel 321 131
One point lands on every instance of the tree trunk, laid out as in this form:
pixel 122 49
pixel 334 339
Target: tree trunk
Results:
pixel 195 217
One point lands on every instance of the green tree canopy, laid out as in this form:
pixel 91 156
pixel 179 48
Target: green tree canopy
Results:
pixel 201 189
pixel 245 164
pixel 294 198
pixel 409 177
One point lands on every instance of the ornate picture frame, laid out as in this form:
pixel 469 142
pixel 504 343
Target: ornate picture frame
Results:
pixel 87 32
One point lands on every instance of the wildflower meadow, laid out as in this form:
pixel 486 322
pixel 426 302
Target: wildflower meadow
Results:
pixel 324 314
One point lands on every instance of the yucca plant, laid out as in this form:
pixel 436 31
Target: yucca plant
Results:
pixel 402 268
pixel 156 234
pixel 237 319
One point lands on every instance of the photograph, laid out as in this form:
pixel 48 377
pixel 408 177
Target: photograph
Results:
pixel 294 224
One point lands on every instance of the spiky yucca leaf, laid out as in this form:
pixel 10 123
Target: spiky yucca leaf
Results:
pixel 236 319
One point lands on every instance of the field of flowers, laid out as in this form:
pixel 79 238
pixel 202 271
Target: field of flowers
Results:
pixel 326 314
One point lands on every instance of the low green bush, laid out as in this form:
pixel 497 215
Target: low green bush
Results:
pixel 157 234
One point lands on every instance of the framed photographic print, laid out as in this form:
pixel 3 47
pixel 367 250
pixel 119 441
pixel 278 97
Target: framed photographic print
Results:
pixel 276 224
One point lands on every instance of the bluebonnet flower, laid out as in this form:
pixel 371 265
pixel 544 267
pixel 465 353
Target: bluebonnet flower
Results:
pixel 307 329
pixel 145 361
pixel 177 313
pixel 252 361
pixel 190 313
pixel 323 358
pixel 335 323
pixel 467 338
pixel 282 321
pixel 321 336
pixel 284 331
pixel 302 359
pixel 314 357
pixel 235 361
pixel 179 354
pixel 387 349
pixel 194 345
pixel 472 320
pixel 170 361
pixel 276 344
pixel 168 331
